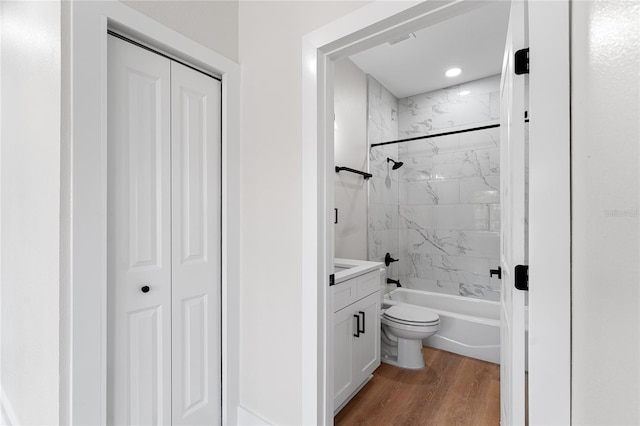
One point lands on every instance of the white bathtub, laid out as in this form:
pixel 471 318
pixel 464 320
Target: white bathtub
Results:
pixel 469 327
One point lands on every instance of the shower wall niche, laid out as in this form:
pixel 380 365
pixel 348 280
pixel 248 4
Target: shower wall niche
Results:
pixel 439 213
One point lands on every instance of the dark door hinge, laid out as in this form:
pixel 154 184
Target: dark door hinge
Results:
pixel 521 277
pixel 332 280
pixel 522 61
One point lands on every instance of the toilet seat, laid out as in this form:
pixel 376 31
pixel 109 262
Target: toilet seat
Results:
pixel 411 315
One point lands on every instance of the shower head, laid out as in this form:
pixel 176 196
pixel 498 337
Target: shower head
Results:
pixel 396 164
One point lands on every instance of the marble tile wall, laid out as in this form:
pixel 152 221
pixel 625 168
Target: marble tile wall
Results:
pixel 440 212
pixel 449 191
pixel 449 216
pixel 384 185
pixel 446 108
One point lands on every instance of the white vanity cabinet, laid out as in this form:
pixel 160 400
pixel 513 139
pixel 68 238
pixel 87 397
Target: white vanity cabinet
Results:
pixel 356 334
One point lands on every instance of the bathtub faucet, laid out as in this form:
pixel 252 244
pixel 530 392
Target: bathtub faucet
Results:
pixel 396 282
pixel 388 259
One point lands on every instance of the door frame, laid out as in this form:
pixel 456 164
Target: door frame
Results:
pixel 549 248
pixel 83 354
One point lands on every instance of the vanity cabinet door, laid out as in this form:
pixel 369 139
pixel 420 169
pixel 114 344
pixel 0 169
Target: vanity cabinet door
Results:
pixel 367 345
pixel 343 356
pixel 356 334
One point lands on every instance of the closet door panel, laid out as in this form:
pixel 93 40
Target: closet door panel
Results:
pixel 196 183
pixel 139 236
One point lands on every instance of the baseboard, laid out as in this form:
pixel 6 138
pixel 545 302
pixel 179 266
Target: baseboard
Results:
pixel 249 418
pixel 9 417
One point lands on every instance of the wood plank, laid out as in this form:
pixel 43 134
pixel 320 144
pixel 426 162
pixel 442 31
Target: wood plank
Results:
pixel 450 390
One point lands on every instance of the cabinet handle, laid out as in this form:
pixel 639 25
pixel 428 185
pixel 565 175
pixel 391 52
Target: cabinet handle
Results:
pixel 363 322
pixel 357 317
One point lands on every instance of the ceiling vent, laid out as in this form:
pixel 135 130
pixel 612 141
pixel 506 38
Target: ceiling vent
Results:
pixel 401 38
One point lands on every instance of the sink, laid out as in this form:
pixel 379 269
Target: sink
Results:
pixel 337 268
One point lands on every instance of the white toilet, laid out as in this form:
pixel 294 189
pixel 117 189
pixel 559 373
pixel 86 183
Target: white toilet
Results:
pixel 403 328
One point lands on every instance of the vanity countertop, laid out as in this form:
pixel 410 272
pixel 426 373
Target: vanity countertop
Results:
pixel 345 269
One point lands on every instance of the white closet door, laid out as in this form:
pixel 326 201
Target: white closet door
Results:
pixel 139 236
pixel 196 183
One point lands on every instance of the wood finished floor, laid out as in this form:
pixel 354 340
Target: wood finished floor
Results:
pixel 451 390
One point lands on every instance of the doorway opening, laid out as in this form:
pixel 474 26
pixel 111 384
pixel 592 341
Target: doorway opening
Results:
pixel 431 142
pixel 374 25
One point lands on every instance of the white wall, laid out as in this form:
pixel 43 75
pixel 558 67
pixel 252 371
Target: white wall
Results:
pixel 30 215
pixel 351 150
pixel 214 24
pixel 270 54
pixel 605 196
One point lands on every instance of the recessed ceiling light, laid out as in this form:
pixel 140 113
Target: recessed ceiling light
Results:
pixel 453 72
pixel 464 93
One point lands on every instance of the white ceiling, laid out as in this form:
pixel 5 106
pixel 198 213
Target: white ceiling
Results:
pixel 473 41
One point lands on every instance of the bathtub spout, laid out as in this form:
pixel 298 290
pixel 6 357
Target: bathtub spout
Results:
pixel 396 282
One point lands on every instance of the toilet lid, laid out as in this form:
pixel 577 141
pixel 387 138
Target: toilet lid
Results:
pixel 412 314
